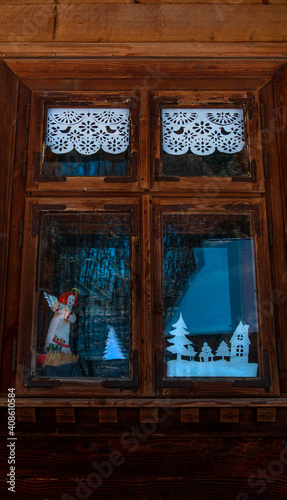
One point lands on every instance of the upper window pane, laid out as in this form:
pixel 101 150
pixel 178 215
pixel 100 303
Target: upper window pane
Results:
pixel 204 142
pixel 87 142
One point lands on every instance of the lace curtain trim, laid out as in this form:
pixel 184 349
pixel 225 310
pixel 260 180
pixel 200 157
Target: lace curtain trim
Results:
pixel 87 130
pixel 202 131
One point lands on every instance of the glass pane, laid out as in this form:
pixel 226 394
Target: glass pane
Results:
pixel 209 296
pixel 203 142
pixel 84 295
pixel 87 142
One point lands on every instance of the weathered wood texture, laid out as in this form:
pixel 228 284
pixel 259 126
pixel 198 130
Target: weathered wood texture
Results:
pixel 266 414
pixel 157 69
pixel 26 414
pixel 143 23
pixel 93 402
pixel 145 464
pixel 13 223
pixel 152 82
pixel 8 106
pixel 189 415
pixel 71 50
pixel 280 100
pixel 273 124
pixel 99 2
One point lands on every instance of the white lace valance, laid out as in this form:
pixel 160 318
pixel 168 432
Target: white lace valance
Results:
pixel 202 131
pixel 87 130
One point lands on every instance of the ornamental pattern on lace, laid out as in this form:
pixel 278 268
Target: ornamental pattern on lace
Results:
pixel 202 131
pixel 87 130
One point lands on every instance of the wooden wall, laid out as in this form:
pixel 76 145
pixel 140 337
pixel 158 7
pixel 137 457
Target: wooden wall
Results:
pixel 215 454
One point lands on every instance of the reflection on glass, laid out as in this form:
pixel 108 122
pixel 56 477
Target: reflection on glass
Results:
pixel 203 142
pixel 84 295
pixel 209 295
pixel 87 142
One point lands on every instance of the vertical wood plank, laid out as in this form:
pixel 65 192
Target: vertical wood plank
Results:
pixel 15 253
pixel 274 122
pixel 9 86
pixel 144 141
pixel 147 324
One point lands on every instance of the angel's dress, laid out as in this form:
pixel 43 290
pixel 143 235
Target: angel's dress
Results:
pixel 59 329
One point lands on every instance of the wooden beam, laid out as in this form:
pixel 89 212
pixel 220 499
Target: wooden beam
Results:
pixel 163 23
pixel 252 50
pixel 151 73
pixel 106 23
pixel 176 2
pixel 114 403
pixel 128 84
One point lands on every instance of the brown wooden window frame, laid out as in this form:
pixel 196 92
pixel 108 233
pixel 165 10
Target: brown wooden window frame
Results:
pixel 39 104
pixel 266 382
pixel 27 381
pixel 244 100
pixel 148 190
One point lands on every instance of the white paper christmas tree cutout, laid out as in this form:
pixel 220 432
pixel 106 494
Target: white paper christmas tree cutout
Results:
pixel 205 366
pixel 191 352
pixel 223 350
pixel 114 348
pixel 179 341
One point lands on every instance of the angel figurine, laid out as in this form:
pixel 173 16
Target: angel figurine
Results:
pixel 57 344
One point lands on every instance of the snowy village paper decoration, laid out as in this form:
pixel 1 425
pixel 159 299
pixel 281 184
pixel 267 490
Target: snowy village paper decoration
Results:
pixel 203 142
pixel 87 141
pixel 227 361
pixel 84 295
pixel 209 295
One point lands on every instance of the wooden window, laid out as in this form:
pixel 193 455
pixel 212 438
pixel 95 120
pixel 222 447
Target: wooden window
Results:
pixel 80 294
pixel 200 140
pixel 83 142
pixel 146 256
pixel 210 253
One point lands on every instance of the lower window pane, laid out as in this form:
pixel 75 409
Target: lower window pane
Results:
pixel 209 295
pixel 84 295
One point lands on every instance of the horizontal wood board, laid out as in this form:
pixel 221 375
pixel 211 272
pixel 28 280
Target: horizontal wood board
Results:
pixel 155 467
pixel 143 23
pixel 53 50
pixel 157 70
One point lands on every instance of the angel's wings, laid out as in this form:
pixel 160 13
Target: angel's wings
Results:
pixel 50 299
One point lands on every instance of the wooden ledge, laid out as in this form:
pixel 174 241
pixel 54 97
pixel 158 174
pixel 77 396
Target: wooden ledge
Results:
pixel 22 402
pixel 252 50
